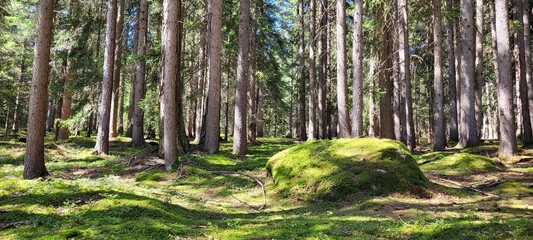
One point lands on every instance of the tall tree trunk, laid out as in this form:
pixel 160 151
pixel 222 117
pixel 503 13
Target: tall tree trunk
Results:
pixel 138 116
pixel 102 139
pixel 342 110
pixel 323 71
pixel 357 115
pixel 301 90
pixel 202 60
pixel 528 88
pixel 170 67
pixel 523 118
pixel 467 132
pixel 312 73
pixel 372 116
pixel 252 93
pixel 479 68
pixel 16 111
pixel 212 116
pixel 260 113
pixel 34 158
pixel 116 73
pixel 385 81
pixel 67 99
pixel 438 83
pixel 90 125
pixel 454 134
pixel 239 128
pixel 405 73
pixel 505 86
pixel 120 129
pixel 6 125
pixel 131 105
pixel 50 116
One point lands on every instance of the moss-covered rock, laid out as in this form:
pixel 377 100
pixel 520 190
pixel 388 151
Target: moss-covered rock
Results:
pixel 458 164
pixel 332 170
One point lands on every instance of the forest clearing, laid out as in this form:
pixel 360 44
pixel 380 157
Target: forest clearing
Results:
pixel 266 119
pixel 120 197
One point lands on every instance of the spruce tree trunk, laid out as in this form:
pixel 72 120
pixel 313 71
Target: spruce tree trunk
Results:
pixel 301 89
pixel 212 119
pixel 240 143
pixel 438 83
pixel 16 111
pixel 357 115
pixel 528 88
pixel 405 72
pixel 138 113
pixel 323 71
pixel 372 116
pixel 479 68
pixel 170 67
pixel 505 85
pixel 34 166
pixel 252 90
pixel 452 86
pixel 312 72
pixel 385 82
pixel 66 107
pixel 342 110
pixel 131 104
pixel 116 72
pixel 523 118
pixel 102 139
pixel 467 132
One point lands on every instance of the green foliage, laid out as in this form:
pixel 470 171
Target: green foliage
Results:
pixel 338 168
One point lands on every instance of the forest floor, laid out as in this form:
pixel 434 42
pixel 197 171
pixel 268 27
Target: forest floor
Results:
pixel 128 195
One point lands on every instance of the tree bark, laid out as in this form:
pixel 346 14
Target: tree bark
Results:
pixel 467 132
pixel 454 134
pixel 66 107
pixel 131 105
pixel 301 90
pixel 311 135
pixel 212 127
pixel 438 83
pixel 479 68
pixel 323 71
pixel 357 115
pixel 138 113
pixel 385 81
pixel 405 72
pixel 507 146
pixel 240 128
pixel 116 73
pixel 528 88
pixel 343 118
pixel 34 166
pixel 102 139
pixel 170 56
pixel 252 89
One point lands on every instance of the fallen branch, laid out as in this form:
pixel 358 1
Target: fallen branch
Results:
pixel 253 178
pixel 462 186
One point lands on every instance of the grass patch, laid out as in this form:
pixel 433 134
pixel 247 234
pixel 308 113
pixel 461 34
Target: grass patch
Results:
pixel 457 164
pixel 338 168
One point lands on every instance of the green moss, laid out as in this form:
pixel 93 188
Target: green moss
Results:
pixel 152 175
pixel 338 168
pixel 460 164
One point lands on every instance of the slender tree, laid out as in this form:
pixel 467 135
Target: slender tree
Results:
pixel 240 128
pixel 212 116
pixel 505 84
pixel 467 132
pixel 454 134
pixel 312 72
pixel 138 116
pixel 479 67
pixel 170 66
pixel 323 71
pixel 301 90
pixel 104 112
pixel 343 118
pixel 386 129
pixel 528 62
pixel 66 107
pixel 116 73
pixel 34 166
pixel 357 115
pixel 438 84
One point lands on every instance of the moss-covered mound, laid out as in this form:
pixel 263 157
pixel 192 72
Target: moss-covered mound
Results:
pixel 332 170
pixel 459 164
